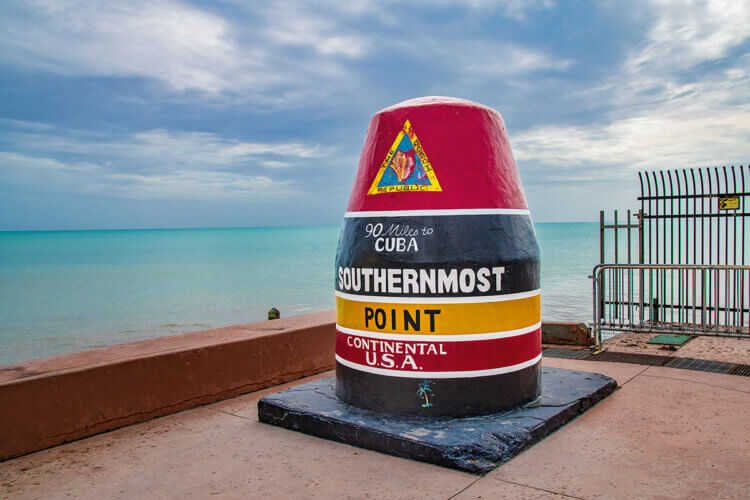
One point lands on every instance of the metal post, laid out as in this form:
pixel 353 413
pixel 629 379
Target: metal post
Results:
pixel 716 301
pixel 615 276
pixel 595 307
pixel 601 261
pixel 640 261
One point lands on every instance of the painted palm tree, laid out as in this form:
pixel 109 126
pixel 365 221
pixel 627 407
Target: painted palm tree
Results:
pixel 422 390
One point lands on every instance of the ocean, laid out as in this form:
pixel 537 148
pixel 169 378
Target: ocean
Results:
pixel 65 291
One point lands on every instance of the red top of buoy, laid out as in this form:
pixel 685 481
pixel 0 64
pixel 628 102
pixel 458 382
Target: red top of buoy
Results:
pixel 434 153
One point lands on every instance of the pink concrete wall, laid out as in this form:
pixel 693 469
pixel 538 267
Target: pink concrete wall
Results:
pixel 51 401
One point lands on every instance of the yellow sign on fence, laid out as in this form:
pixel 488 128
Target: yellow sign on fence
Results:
pixel 729 203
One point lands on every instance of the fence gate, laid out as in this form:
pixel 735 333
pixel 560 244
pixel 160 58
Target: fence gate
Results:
pixel 682 263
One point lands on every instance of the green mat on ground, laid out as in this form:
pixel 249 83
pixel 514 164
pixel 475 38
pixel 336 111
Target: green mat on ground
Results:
pixel 669 339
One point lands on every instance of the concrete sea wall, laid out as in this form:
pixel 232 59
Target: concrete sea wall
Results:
pixel 46 402
pixel 50 401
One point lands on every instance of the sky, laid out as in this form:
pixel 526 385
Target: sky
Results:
pixel 174 113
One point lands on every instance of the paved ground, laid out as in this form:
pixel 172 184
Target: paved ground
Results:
pixel 724 349
pixel 665 433
pixel 727 350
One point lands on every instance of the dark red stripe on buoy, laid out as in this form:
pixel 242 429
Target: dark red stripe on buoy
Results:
pixel 450 131
pixel 437 358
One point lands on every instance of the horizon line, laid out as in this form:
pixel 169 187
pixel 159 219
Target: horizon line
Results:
pixel 182 228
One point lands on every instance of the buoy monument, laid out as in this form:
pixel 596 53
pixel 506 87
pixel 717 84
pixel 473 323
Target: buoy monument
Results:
pixel 437 292
pixel 437 269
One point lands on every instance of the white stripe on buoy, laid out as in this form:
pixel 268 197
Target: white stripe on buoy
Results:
pixel 408 337
pixel 422 213
pixel 438 300
pixel 421 374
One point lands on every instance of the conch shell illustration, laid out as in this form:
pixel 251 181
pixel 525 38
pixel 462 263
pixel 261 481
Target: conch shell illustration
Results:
pixel 403 164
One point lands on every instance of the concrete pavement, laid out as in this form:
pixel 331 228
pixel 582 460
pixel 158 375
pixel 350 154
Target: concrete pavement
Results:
pixel 664 433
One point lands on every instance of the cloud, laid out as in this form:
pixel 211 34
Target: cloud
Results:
pixel 190 148
pixel 10 159
pixel 290 54
pixel 667 110
pixel 513 9
pixel 492 60
pixel 685 33
pixel 685 46
pixel 152 164
pixel 668 87
pixel 195 185
pixel 295 25
pixel 622 147
pixel 182 46
pixel 38 173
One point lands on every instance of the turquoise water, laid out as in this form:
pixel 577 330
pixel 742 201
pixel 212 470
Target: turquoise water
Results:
pixel 64 291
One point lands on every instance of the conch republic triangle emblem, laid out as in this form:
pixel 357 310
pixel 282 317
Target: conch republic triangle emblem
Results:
pixel 405 167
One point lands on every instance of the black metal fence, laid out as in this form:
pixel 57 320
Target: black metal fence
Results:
pixel 680 262
pixel 695 216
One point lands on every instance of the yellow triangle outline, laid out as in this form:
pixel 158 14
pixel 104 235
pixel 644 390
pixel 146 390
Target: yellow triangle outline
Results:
pixel 426 165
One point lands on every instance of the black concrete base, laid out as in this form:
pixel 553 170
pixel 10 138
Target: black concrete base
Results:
pixel 473 444
pixel 459 397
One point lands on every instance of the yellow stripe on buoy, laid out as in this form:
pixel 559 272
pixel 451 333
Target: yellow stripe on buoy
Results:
pixel 438 319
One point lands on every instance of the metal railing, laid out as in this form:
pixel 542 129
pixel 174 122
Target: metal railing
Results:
pixel 671 298
pixel 633 243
